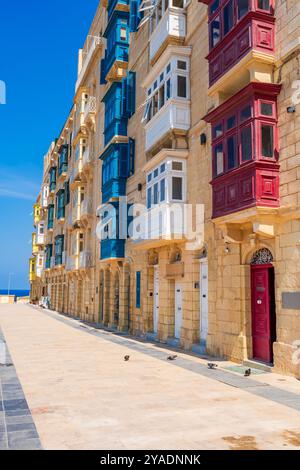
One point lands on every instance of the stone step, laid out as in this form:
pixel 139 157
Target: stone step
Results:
pixel 258 365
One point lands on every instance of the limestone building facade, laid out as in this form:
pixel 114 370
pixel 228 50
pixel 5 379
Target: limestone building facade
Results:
pixel 169 206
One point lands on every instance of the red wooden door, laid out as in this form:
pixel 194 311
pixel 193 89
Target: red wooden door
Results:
pixel 262 292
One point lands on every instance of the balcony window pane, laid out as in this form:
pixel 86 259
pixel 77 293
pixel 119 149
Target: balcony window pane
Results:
pixel 181 64
pixel 155 104
pixel 214 6
pixel 177 188
pixel 162 190
pixel 232 161
pixel 219 160
pixel 177 3
pixel 243 8
pixel 228 17
pixel 263 4
pixel 246 144
pixel 161 96
pixel 266 109
pixel 177 166
pixel 267 141
pixel 149 192
pixel 163 168
pixel 168 89
pixel 215 31
pixel 181 87
pixel 123 34
pixel 217 131
pixel 246 113
pixel 155 193
pixel 231 122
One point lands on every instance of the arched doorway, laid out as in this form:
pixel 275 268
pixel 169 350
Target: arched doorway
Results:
pixel 263 305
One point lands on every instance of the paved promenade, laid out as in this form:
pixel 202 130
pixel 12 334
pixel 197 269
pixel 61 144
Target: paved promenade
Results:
pixel 67 386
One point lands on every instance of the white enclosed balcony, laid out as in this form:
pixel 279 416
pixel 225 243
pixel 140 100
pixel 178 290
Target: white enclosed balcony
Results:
pixel 85 259
pixel 167 105
pixel 175 115
pixel 86 55
pixel 171 27
pixel 86 208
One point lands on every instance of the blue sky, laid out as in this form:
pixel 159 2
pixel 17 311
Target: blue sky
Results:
pixel 39 43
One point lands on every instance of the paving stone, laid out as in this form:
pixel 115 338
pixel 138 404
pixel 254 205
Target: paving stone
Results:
pixel 24 412
pixel 15 404
pixel 21 436
pixel 25 444
pixel 16 427
pixel 19 419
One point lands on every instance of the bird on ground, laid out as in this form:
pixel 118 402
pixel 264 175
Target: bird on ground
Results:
pixel 247 373
pixel 126 358
pixel 172 358
pixel 211 365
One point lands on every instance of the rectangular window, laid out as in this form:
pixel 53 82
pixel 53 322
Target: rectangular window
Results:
pixel 177 188
pixel 263 5
pixel 155 194
pixel 266 109
pixel 149 194
pixel 267 141
pixel 123 34
pixel 246 144
pixel 228 17
pixel 181 87
pixel 138 289
pixel 177 166
pixel 243 8
pixel 219 160
pixel 217 131
pixel 215 32
pixel 246 113
pixel 214 6
pixel 232 161
pixel 231 123
pixel 181 64
pixel 162 190
pixel 168 91
pixel 161 96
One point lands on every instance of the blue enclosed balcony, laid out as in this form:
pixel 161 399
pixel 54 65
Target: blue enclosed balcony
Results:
pixel 49 250
pixel 63 160
pixel 50 220
pixel 52 179
pixel 118 165
pixel 115 62
pixel 115 123
pixel 112 249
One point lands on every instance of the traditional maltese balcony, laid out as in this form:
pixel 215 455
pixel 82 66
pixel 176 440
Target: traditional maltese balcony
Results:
pixel 167 26
pixel 85 260
pixel 86 209
pixel 87 55
pixel 245 151
pixel 87 159
pixel 32 269
pixel 167 107
pixel 241 43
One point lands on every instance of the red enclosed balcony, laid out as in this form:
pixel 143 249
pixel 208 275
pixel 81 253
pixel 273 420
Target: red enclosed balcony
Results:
pixel 245 150
pixel 240 32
